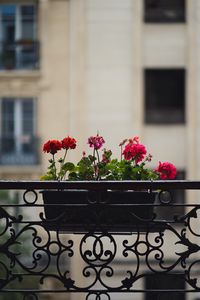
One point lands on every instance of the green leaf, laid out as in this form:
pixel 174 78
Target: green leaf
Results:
pixel 68 166
pixel 73 176
pixel 85 161
pixel 92 158
pixel 48 177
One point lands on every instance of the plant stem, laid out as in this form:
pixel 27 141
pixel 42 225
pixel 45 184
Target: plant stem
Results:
pixel 98 160
pixel 54 164
pixel 94 163
pixel 64 157
pixel 62 164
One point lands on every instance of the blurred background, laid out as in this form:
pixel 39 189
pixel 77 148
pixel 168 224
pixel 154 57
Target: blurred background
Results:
pixel 120 67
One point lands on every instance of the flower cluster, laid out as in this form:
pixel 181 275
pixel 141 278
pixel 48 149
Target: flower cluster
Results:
pixel 96 142
pixel 101 166
pixel 53 146
pixel 134 150
pixel 166 170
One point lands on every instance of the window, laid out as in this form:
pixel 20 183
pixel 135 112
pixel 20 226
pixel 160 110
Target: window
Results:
pixel 164 96
pixel 18 36
pixel 165 281
pixel 164 11
pixel 18 141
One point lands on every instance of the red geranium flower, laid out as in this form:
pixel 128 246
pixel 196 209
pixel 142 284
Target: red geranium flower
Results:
pixel 52 146
pixel 68 143
pixel 137 151
pixel 166 170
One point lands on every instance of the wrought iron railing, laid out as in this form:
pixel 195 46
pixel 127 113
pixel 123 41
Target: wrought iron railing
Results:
pixel 19 55
pixel 150 256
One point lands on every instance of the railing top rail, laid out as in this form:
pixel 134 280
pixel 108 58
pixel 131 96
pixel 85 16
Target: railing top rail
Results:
pixel 101 185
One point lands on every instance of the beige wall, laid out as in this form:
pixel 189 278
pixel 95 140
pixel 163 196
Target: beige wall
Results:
pixel 116 47
pixel 53 118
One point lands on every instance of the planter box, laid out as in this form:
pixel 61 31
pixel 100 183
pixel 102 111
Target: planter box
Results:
pixel 80 211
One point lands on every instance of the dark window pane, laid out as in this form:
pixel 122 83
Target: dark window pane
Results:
pixel 164 96
pixel 28 56
pixel 8 57
pixel 8 143
pixel 165 11
pixel 28 19
pixel 8 13
pixel 27 112
pixel 27 125
pixel 8 117
pixel 28 11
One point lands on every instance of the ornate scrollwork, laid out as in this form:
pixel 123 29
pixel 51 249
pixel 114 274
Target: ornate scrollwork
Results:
pixel 28 199
pixel 97 255
pixel 98 296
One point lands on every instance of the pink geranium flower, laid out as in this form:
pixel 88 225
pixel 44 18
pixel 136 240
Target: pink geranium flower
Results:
pixel 134 151
pixel 96 142
pixel 166 170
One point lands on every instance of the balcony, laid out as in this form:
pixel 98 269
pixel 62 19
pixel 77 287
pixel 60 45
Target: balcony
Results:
pixel 38 261
pixel 22 150
pixel 21 55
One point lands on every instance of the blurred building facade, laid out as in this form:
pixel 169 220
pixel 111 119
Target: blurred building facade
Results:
pixel 123 68
pixel 120 67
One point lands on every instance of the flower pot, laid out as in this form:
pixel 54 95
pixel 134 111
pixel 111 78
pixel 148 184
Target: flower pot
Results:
pixel 80 211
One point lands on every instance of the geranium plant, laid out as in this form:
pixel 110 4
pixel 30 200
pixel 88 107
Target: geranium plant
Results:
pixel 99 164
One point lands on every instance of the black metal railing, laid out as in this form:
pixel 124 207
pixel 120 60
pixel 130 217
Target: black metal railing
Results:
pixel 151 255
pixel 19 55
pixel 20 150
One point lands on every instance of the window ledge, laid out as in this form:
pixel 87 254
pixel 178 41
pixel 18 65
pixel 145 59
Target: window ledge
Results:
pixel 20 73
pixel 20 169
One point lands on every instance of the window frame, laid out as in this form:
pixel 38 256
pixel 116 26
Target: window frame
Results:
pixel 22 146
pixel 18 113
pixel 21 48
